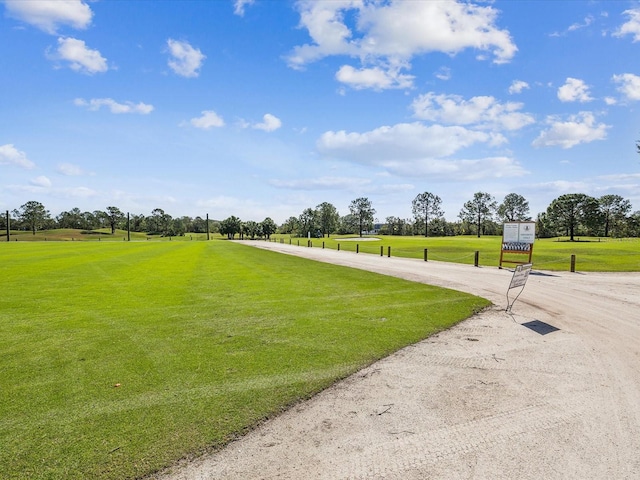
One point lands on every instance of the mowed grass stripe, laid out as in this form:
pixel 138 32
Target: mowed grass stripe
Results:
pixel 204 339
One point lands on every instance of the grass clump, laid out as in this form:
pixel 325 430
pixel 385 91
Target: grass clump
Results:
pixel 117 358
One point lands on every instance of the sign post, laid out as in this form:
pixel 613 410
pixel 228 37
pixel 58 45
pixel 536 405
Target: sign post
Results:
pixel 517 238
pixel 519 279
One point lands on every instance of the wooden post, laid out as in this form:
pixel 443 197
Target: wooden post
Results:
pixel 425 254
pixel 8 228
pixel 573 263
pixel 357 248
pixel 128 227
pixel 207 226
pixel 389 251
pixel 381 250
pixel 338 247
pixel 476 261
pixel 323 245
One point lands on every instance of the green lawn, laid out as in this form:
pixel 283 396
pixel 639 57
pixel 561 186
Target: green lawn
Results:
pixel 592 254
pixel 118 358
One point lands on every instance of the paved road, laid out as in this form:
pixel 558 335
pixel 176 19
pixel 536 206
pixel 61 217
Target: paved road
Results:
pixel 551 390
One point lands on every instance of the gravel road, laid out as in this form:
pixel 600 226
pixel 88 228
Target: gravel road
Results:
pixel 550 390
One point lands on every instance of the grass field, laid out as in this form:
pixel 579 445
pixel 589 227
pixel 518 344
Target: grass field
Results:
pixel 592 254
pixel 118 358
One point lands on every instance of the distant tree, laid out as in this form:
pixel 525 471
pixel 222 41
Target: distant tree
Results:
pixel 252 229
pixel 396 226
pixel 569 212
pixel 231 227
pixel 614 210
pixel 348 225
pixel 514 208
pixel 290 225
pixel 478 210
pixel 159 222
pixel 71 219
pixel 425 206
pixel 268 227
pixel 33 215
pixel 327 217
pixel 114 216
pixel 363 211
pixel 307 222
pixel 633 224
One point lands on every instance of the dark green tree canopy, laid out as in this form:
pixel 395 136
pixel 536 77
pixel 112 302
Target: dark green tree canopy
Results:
pixel 570 211
pixel 514 208
pixel 363 211
pixel 425 206
pixel 32 214
pixel 478 210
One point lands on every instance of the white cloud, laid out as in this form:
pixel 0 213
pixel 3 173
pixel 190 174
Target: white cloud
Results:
pixel 415 149
pixel 375 78
pixel 443 73
pixel 49 15
pixel 80 57
pixel 10 155
pixel 580 128
pixel 632 26
pixel 482 111
pixel 69 170
pixel 629 85
pixel 185 60
pixel 574 90
pixel 518 86
pixel 322 183
pixel 269 123
pixel 207 120
pixel 239 6
pixel 41 181
pixel 386 35
pixel 115 107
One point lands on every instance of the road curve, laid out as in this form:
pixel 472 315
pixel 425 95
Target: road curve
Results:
pixel 550 390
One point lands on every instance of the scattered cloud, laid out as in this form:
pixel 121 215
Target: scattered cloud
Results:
pixel 517 86
pixel 580 128
pixel 185 60
pixel 443 73
pixel 269 123
pixel 49 15
pixel 387 35
pixel 482 111
pixel 631 26
pixel 69 170
pixel 80 58
pixel 375 78
pixel 629 85
pixel 127 107
pixel 239 6
pixel 322 183
pixel 207 120
pixel 574 90
pixel 41 181
pixel 10 155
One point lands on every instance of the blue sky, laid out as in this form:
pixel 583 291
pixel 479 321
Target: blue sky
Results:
pixel 265 108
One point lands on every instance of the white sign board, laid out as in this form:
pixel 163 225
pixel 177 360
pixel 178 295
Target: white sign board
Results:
pixel 520 276
pixel 519 232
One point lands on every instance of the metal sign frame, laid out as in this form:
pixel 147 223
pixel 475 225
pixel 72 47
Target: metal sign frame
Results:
pixel 519 279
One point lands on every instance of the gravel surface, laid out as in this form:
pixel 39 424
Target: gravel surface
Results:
pixel 550 390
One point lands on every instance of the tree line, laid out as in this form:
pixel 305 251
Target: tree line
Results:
pixel 567 215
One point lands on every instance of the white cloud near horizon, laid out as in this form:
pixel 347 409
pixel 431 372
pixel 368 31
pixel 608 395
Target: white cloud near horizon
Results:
pixel 207 120
pixel 481 111
pixel 386 36
pixel 10 155
pixel 69 170
pixel 630 27
pixel 81 58
pixel 269 123
pixel 114 107
pixel 517 86
pixel 629 85
pixel 574 90
pixel 49 15
pixel 322 183
pixel 185 60
pixel 578 129
pixel 41 181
